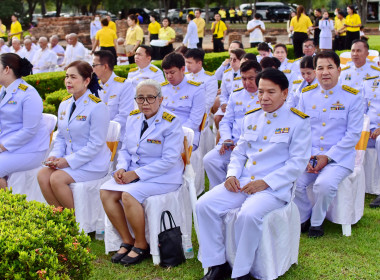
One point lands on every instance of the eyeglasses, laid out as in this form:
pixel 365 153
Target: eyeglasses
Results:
pixel 149 99
pixel 94 65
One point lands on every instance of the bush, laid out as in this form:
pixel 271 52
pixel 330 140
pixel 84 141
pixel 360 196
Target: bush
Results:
pixel 40 242
pixel 46 82
pixel 56 97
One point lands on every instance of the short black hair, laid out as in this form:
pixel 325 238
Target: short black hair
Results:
pixel 196 54
pixel 106 57
pixel 173 60
pixel 270 62
pixel 361 41
pixel 181 49
pixel 258 16
pixel 308 40
pixel 318 10
pixel 191 16
pixel 104 22
pixel 341 13
pixel 250 64
pixel 239 53
pixel 241 46
pixel 154 16
pixel 327 54
pixel 148 50
pixel 275 76
pixel 250 56
pixel 263 47
pixel 168 19
pixel 307 62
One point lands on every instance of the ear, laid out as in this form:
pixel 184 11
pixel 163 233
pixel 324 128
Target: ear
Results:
pixel 285 93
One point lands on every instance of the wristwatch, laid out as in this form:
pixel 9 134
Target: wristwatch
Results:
pixel 329 160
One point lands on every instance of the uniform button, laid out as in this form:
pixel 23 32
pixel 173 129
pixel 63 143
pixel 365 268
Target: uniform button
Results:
pixel 321 137
pixel 324 110
pixel 378 114
pixel 137 145
pixel 324 124
pixel 70 140
pixel 173 102
pixel 330 92
pixel 374 95
pixel 254 163
pixel 323 91
pixel 104 91
pixel 314 107
pixel 274 115
pixel 249 106
pixel 67 129
pixel 260 150
pixel 252 177
pixel 265 138
pixel 268 121
pixel 321 148
pixel 326 96
pixel 106 85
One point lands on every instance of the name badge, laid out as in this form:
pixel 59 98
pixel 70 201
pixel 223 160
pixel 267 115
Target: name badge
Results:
pixel 81 118
pixel 12 102
pixel 282 130
pixel 153 141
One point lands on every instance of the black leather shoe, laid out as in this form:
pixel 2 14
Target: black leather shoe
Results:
pixel 218 272
pixel 245 277
pixel 315 232
pixel 141 254
pixel 375 203
pixel 117 257
pixel 305 226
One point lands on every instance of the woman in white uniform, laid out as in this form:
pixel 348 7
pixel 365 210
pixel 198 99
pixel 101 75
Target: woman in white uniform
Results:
pixel 288 66
pixel 80 152
pixel 24 138
pixel 149 163
pixel 326 26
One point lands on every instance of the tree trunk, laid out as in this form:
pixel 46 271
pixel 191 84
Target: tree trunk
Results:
pixel 362 10
pixel 58 7
pixel 43 7
pixel 207 19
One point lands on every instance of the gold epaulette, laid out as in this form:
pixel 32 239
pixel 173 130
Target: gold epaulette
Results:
pixel 299 113
pixel 238 89
pixel 305 89
pixel 187 73
pixel 1 86
pixel 67 97
pixel 297 81
pixel 286 71
pixel 345 68
pixel 168 117
pixel 94 98
pixel 252 111
pixel 134 112
pixel 164 83
pixel 209 73
pixel 229 69
pixel 193 83
pixel 119 79
pixel 23 87
pixel 153 69
pixel 372 77
pixel 133 69
pixel 297 59
pixel 291 60
pixel 350 89
pixel 237 78
pixel 374 67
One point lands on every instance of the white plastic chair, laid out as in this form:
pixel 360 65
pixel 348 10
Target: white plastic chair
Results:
pixel 372 171
pixel 279 244
pixel 373 55
pixel 25 182
pixel 89 212
pixel 345 57
pixel 177 202
pixel 348 205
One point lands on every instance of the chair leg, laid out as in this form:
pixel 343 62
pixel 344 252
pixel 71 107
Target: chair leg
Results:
pixel 205 270
pixel 156 259
pixel 346 229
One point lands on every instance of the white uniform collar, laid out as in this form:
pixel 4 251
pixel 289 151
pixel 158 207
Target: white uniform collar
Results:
pixel 330 91
pixel 277 113
pixel 181 84
pixel 113 75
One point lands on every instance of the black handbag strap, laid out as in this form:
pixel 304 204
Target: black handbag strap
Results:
pixel 171 220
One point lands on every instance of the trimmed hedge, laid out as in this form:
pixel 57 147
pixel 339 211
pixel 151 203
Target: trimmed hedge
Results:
pixel 41 242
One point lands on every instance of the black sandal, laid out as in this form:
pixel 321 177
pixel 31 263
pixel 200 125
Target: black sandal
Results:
pixel 117 256
pixel 141 255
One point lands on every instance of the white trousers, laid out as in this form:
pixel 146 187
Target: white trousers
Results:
pixel 216 166
pixel 324 188
pixel 212 207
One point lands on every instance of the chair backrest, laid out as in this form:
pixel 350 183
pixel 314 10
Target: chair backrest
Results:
pixel 203 123
pixel 345 57
pixel 373 55
pixel 50 121
pixel 187 144
pixel 361 146
pixel 113 137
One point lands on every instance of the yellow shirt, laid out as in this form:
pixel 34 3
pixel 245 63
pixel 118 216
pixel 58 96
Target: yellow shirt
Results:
pixel 112 25
pixel 154 28
pixel 134 35
pixel 16 27
pixel 220 27
pixel 249 12
pixel 222 13
pixel 353 20
pixel 302 24
pixel 240 13
pixel 3 31
pixel 106 37
pixel 338 24
pixel 200 22
pixel 232 12
pixel 167 33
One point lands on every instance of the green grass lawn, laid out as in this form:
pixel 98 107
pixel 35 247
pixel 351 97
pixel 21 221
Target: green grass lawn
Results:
pixel 331 257
pixel 374 40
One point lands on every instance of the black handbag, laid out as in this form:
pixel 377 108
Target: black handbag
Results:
pixel 170 243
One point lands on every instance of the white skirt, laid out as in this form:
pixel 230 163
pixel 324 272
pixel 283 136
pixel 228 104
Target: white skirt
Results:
pixel 80 175
pixel 13 162
pixel 325 43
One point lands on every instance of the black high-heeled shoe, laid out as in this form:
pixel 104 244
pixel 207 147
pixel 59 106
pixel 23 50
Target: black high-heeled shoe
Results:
pixel 117 256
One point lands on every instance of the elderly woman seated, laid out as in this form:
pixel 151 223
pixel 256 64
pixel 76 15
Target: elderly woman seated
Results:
pixel 149 163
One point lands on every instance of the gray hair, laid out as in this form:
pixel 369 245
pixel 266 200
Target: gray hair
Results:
pixel 151 83
pixel 2 40
pixel 43 39
pixel 54 37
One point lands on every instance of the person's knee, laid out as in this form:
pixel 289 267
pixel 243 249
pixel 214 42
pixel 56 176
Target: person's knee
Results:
pixel 127 199
pixel 325 188
pixel 209 160
pixel 249 215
